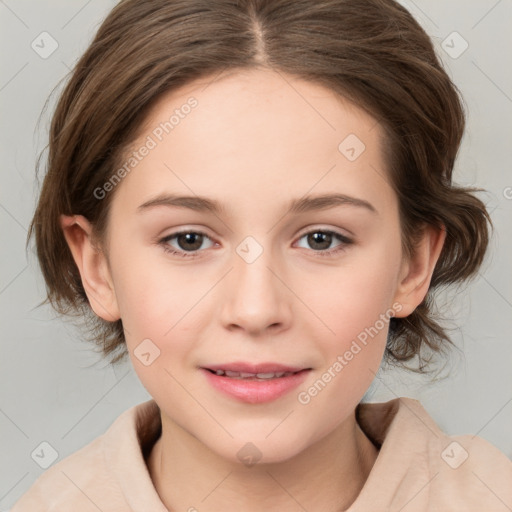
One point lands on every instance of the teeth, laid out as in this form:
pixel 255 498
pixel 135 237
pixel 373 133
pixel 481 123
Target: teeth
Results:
pixel 246 375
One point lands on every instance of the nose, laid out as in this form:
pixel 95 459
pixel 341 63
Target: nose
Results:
pixel 256 297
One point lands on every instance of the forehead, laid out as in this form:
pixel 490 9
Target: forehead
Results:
pixel 262 102
pixel 253 135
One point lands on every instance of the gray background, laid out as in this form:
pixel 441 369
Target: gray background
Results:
pixel 55 388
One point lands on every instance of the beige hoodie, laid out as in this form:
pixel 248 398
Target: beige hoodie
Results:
pixel 419 468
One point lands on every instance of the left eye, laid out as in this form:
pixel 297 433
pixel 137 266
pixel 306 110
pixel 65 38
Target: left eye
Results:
pixel 189 242
pixel 324 239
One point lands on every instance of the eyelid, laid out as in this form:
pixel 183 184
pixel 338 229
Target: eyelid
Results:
pixel 304 231
pixel 175 234
pixel 185 255
pixel 337 230
pixel 343 239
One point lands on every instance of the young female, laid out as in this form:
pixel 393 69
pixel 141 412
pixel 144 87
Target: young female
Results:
pixel 253 199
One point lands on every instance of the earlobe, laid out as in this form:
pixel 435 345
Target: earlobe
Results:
pixel 416 272
pixel 92 265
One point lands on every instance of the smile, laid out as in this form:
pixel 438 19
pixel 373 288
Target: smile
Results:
pixel 246 375
pixel 254 388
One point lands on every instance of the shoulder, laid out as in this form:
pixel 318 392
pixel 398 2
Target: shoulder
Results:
pixel 464 472
pixel 470 471
pixel 71 484
pixel 94 477
pixel 421 468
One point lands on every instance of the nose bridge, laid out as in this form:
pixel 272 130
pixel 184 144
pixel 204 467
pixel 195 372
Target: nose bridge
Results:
pixel 256 298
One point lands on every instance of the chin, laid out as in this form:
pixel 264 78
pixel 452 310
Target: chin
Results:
pixel 249 451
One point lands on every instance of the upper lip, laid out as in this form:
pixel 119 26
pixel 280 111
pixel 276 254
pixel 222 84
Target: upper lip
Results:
pixel 241 366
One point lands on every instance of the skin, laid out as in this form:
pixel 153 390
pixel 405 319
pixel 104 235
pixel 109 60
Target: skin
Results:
pixel 256 140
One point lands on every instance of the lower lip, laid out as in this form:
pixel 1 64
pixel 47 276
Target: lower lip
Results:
pixel 256 391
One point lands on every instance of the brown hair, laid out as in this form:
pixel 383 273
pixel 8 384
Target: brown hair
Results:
pixel 372 52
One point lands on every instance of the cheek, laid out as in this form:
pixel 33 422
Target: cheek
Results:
pixel 150 309
pixel 162 303
pixel 164 309
pixel 352 353
pixel 351 297
pixel 152 295
pixel 157 309
pixel 355 304
pixel 157 299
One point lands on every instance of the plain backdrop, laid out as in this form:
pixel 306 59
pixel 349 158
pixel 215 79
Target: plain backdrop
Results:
pixel 56 389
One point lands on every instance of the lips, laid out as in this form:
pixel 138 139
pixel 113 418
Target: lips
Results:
pixel 245 370
pixel 248 375
pixel 254 383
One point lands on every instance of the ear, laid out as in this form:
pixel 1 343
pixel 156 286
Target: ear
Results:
pixel 416 271
pixel 92 265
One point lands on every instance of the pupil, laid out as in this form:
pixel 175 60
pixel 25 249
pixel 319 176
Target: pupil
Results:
pixel 189 238
pixel 319 238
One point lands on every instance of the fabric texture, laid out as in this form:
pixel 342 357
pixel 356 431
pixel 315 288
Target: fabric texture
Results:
pixel 419 468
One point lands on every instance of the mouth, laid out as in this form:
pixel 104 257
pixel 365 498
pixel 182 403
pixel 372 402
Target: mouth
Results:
pixel 246 370
pixel 254 376
pixel 252 383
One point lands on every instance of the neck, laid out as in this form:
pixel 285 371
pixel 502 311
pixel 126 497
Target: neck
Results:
pixel 188 475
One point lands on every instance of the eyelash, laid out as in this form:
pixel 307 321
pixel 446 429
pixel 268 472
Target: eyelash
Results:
pixel 330 253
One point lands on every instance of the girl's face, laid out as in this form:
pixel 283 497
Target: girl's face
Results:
pixel 272 274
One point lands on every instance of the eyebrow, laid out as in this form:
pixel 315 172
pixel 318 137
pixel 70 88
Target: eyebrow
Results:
pixel 301 205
